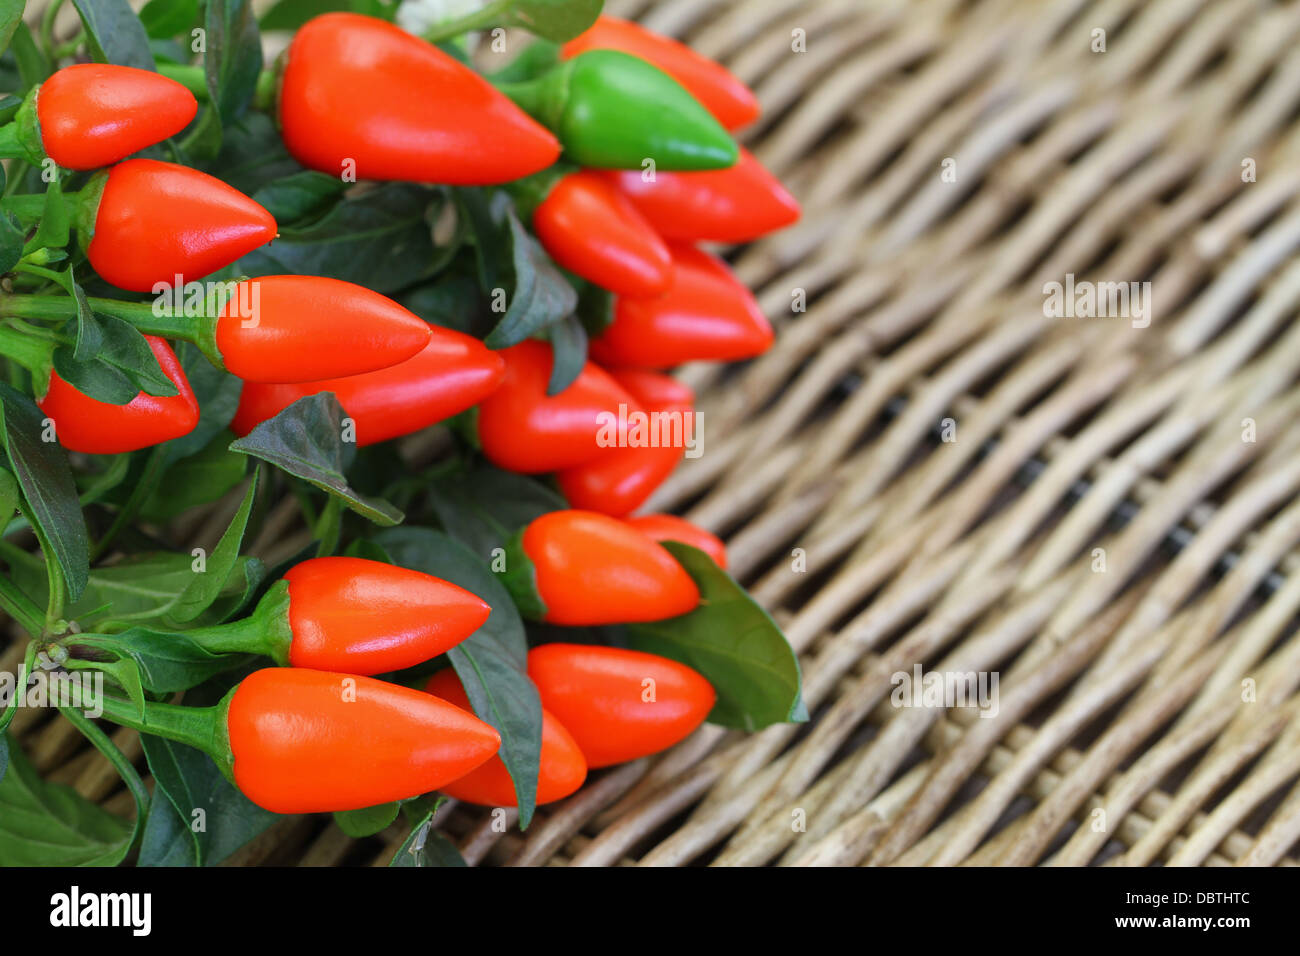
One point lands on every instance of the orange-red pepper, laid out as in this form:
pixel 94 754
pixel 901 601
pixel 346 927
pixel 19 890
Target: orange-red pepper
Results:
pixel 94 114
pixel 662 527
pixel 307 741
pixel 561 768
pixel 619 705
pixel 591 569
pixel 450 374
pixel 715 205
pixel 619 480
pixel 360 95
pixel 522 429
pixel 706 315
pixel 589 228
pixel 145 222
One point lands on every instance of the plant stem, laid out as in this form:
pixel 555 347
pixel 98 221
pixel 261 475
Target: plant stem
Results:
pixel 139 314
pixel 29 659
pixel 124 768
pixel 488 16
pixel 47 27
pixel 194 79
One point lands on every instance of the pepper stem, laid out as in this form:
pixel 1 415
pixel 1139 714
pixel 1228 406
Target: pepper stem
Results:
pixel 193 726
pixel 545 97
pixel 266 631
pixel 143 315
pixel 488 16
pixel 194 79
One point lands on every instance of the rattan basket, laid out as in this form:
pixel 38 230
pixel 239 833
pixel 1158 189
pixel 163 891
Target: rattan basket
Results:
pixel 931 470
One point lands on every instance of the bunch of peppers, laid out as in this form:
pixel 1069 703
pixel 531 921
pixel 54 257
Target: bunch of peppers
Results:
pixel 618 156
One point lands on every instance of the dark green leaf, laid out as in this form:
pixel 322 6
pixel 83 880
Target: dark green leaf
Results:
pixel 306 440
pixel 166 18
pixel 569 353
pixel 558 20
pixel 291 14
pixel 252 155
pixel 124 348
pixel 541 295
pixel 205 588
pixel 300 195
pixel 218 817
pixel 49 824
pixel 379 239
pixel 167 839
pixel 94 378
pixel 367 821
pixel 114 33
pixel 484 507
pixel 4 754
pixel 595 308
pixel 167 662
pixel 10 497
pixel 734 643
pixel 50 494
pixel 492 662
pixel 234 56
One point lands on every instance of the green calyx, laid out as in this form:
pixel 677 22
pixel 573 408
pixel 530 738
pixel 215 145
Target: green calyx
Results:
pixel 265 632
pixel 612 110
pixel 520 579
pixel 21 139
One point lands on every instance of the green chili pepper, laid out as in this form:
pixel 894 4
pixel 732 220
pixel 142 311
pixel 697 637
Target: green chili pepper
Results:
pixel 615 111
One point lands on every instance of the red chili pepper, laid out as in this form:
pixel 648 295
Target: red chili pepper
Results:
pixel 84 424
pixel 705 315
pixel 363 95
pixel 450 374
pixel 591 569
pixel 308 328
pixel 730 101
pixel 154 221
pixel 621 479
pixel 306 741
pixel 672 528
pixel 94 114
pixel 619 705
pixel 561 769
pixel 590 229
pixel 522 429
pixel 719 205
pixel 355 616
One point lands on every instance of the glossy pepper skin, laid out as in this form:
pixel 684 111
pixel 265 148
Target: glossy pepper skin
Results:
pixel 561 769
pixel 84 424
pixel 621 479
pixel 663 527
pixel 307 741
pixel 450 374
pixel 367 617
pixel 591 229
pixel 721 205
pixel 523 430
pixel 155 221
pixel 706 315
pixel 309 328
pixel 614 111
pixel 604 697
pixel 359 89
pixel 94 114
pixel 730 101
pixel 591 569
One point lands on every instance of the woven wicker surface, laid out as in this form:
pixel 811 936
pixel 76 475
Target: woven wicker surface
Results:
pixel 928 469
